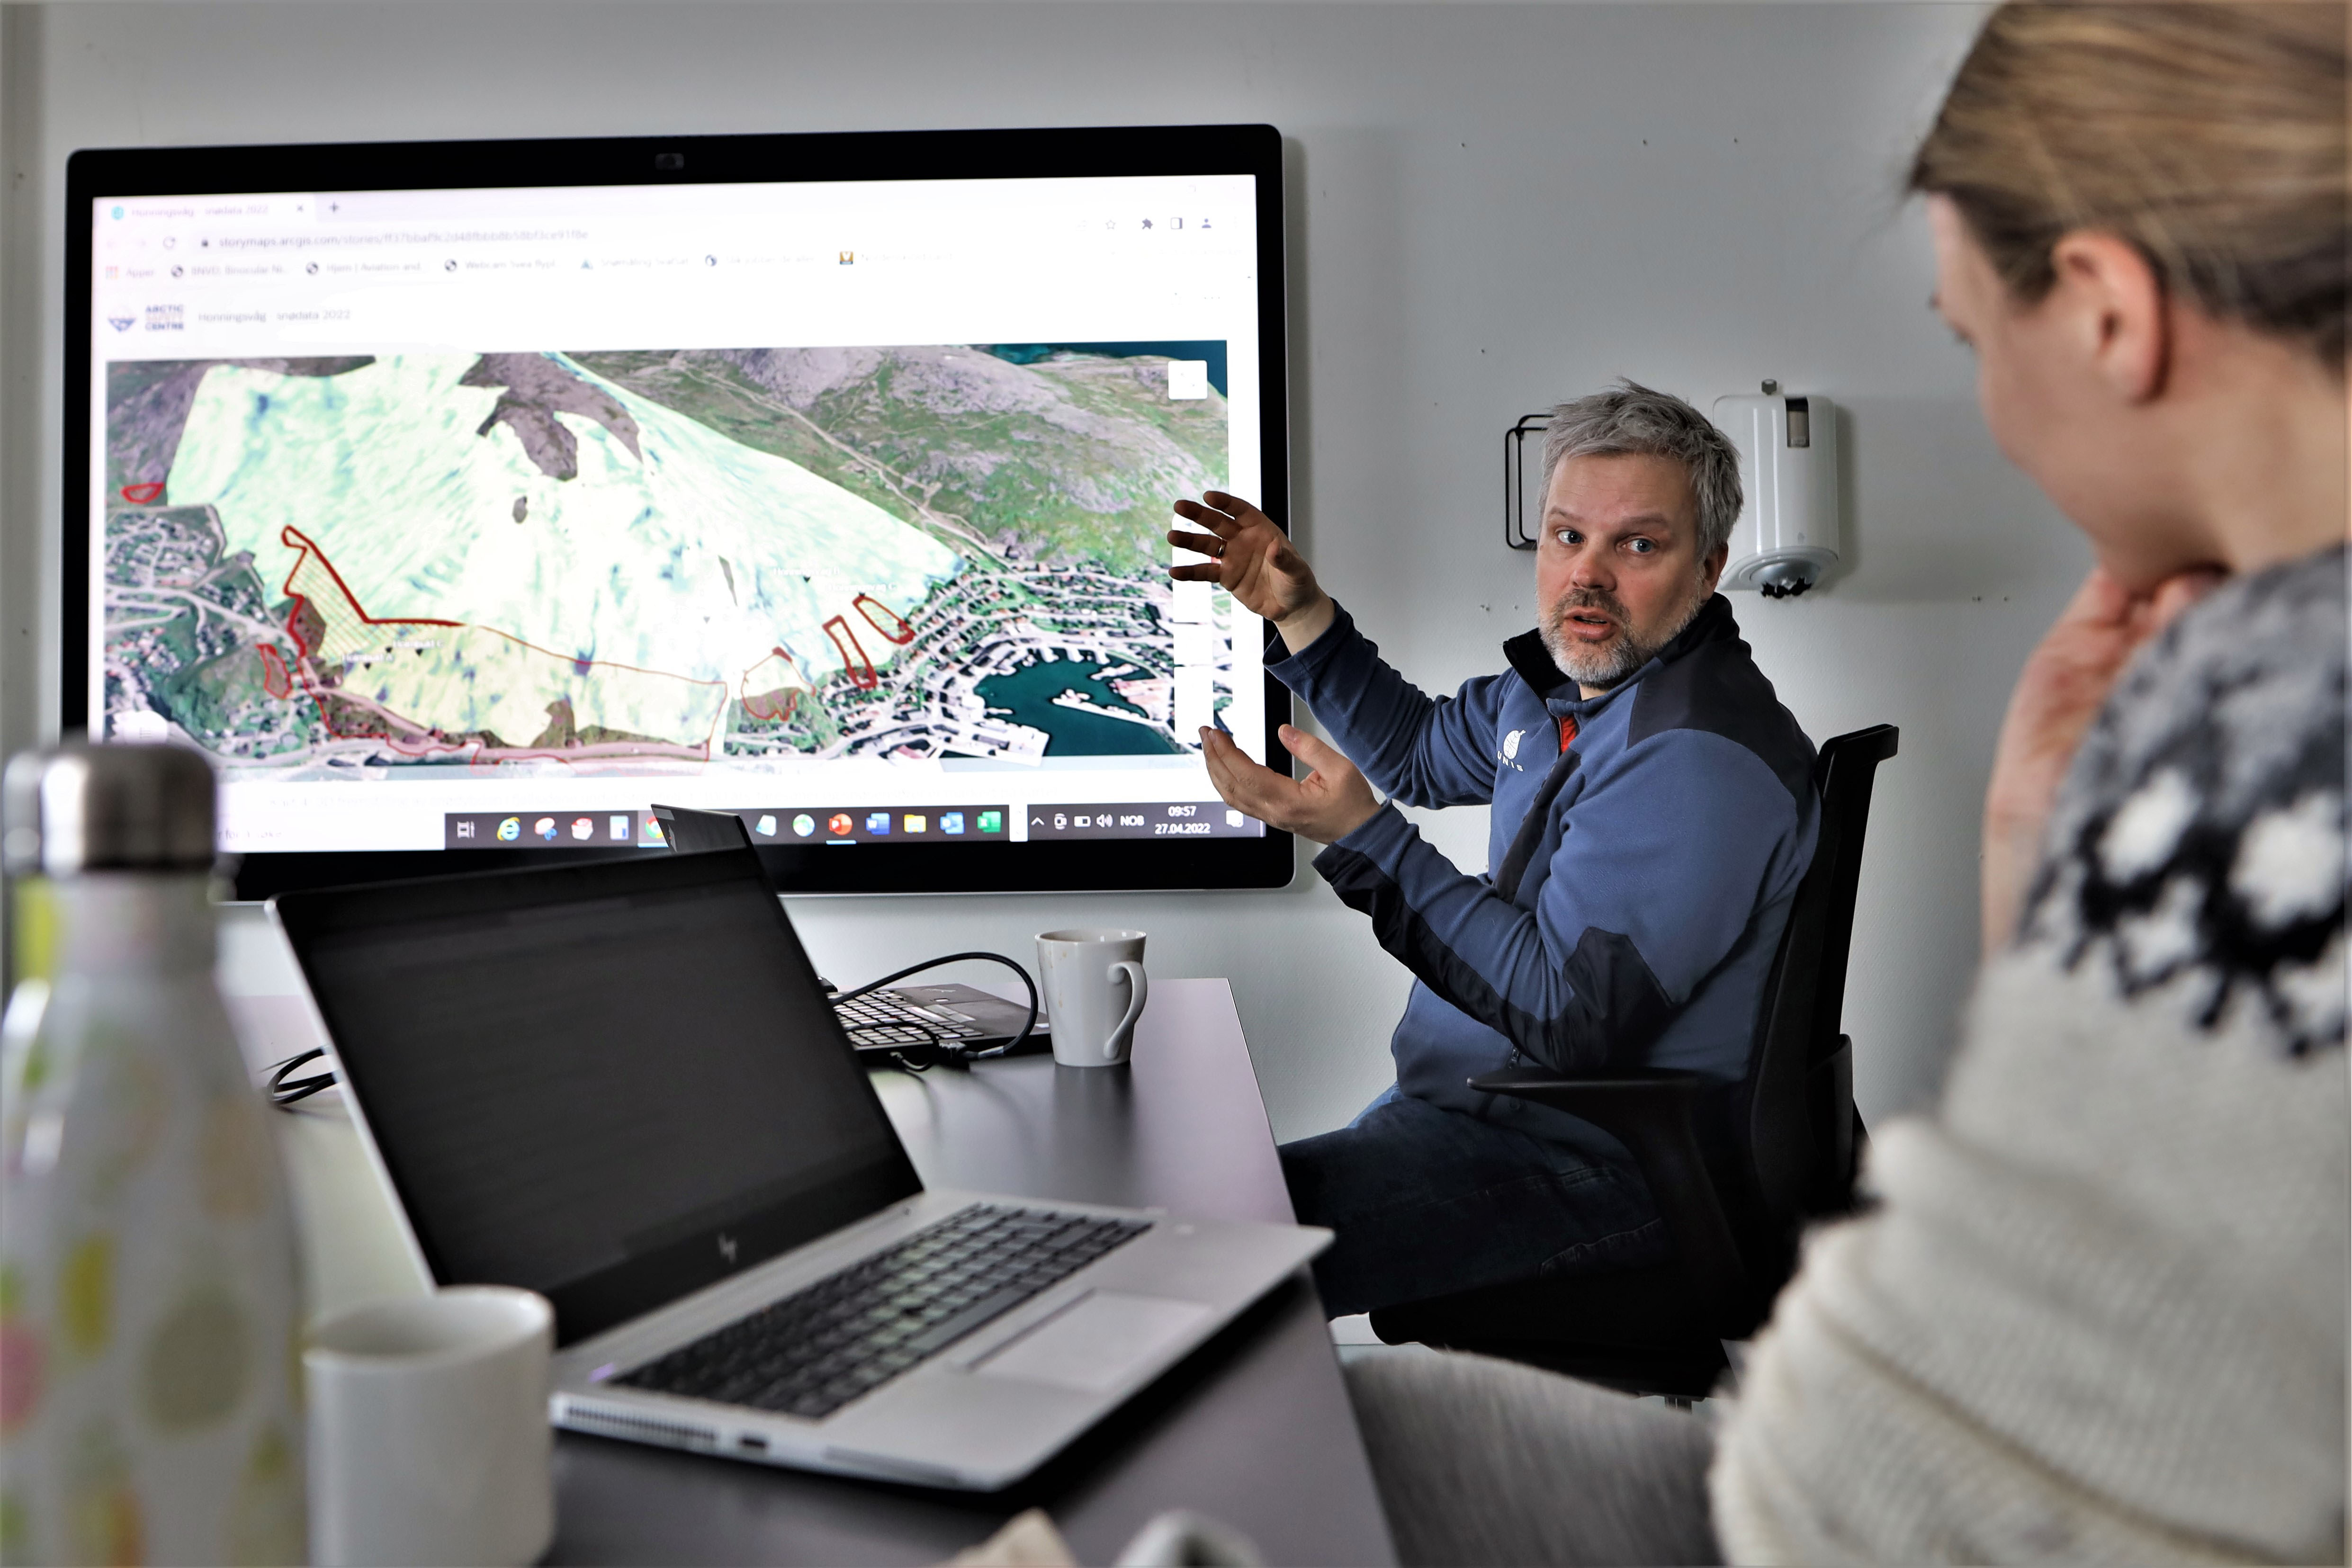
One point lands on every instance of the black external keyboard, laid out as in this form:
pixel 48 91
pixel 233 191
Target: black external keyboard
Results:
pixel 823 1347
pixel 885 1018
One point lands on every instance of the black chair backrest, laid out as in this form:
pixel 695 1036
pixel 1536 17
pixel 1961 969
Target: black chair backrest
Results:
pixel 1790 1151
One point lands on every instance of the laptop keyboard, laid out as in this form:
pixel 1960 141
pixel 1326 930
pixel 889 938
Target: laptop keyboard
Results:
pixel 885 1018
pixel 816 1350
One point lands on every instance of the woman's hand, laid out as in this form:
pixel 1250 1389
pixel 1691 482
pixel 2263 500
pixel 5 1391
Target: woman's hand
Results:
pixel 1252 561
pixel 2064 684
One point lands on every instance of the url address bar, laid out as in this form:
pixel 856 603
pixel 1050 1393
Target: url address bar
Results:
pixel 393 237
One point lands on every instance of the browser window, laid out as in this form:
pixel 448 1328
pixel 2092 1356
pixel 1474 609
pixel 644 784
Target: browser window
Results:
pixel 479 519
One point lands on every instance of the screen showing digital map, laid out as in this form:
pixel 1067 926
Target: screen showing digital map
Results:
pixel 719 555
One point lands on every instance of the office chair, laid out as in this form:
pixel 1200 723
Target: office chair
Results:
pixel 1736 1169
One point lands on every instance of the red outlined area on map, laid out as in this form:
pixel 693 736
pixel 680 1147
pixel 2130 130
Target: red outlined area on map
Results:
pixel 767 710
pixel 326 614
pixel 406 736
pixel 853 656
pixel 145 495
pixel 765 705
pixel 866 604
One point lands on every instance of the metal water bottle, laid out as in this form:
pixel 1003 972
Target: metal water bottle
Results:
pixel 150 1403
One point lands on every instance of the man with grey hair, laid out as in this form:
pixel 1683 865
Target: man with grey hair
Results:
pixel 1653 814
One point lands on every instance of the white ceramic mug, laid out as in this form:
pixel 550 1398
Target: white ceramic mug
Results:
pixel 429 1440
pixel 1095 989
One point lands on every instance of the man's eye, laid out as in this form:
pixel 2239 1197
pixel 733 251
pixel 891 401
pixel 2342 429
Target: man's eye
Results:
pixel 1640 547
pixel 1568 536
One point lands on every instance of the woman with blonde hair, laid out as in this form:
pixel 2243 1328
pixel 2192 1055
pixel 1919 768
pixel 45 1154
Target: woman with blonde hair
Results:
pixel 2098 1309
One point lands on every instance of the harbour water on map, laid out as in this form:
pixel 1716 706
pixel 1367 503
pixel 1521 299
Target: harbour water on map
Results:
pixel 1029 692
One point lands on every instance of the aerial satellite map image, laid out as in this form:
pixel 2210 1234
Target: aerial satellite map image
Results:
pixel 618 560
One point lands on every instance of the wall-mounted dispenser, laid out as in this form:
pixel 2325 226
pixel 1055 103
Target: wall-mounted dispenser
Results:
pixel 1788 534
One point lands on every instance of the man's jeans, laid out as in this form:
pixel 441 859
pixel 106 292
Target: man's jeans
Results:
pixel 1428 1201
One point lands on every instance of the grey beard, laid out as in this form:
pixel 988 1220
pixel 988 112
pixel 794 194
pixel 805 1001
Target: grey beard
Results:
pixel 1605 668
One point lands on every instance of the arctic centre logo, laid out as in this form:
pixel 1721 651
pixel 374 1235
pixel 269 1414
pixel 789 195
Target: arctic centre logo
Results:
pixel 166 318
pixel 123 323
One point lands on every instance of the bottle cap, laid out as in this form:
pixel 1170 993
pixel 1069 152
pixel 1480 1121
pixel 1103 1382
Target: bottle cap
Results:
pixel 111 807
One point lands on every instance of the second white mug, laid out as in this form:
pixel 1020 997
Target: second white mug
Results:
pixel 429 1441
pixel 1095 990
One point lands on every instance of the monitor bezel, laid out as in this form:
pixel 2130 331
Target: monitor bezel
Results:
pixel 1113 864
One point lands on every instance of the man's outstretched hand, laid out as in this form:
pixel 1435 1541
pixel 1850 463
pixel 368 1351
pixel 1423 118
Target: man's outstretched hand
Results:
pixel 1330 803
pixel 1252 561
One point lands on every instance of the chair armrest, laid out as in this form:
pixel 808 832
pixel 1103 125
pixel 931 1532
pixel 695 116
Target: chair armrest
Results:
pixel 1649 1110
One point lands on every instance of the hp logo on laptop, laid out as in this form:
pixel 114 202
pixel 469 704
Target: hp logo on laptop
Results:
pixel 727 1248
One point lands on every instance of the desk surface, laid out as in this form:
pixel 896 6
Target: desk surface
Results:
pixel 1253 1430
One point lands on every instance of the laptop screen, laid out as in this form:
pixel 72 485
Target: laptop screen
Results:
pixel 610 1083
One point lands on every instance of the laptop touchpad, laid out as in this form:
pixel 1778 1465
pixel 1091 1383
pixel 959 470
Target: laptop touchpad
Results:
pixel 1098 1343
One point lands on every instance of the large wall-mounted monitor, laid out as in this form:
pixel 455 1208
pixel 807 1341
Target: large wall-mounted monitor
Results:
pixel 461 500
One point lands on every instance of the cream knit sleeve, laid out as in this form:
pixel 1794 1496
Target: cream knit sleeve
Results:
pixel 2099 1311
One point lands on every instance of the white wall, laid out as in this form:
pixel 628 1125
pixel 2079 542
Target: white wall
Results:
pixel 1494 207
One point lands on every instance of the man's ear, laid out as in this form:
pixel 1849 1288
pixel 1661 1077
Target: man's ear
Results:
pixel 2113 308
pixel 1710 571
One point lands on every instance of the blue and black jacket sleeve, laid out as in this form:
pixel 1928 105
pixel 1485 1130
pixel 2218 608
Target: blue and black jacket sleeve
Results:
pixel 1648 891
pixel 1420 749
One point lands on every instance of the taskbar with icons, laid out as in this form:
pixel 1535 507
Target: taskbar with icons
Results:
pixel 810 825
pixel 549 830
pixel 1142 819
pixel 878 824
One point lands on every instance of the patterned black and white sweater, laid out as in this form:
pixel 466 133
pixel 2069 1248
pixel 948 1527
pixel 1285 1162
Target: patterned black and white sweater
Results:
pixel 2101 1313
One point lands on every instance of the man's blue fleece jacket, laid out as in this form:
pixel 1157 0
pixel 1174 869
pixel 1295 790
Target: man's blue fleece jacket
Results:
pixel 1640 879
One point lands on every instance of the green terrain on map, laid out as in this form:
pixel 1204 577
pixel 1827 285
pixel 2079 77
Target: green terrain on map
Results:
pixel 693 555
pixel 1074 457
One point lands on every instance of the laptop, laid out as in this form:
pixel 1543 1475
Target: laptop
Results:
pixel 620 1085
pixel 882 1023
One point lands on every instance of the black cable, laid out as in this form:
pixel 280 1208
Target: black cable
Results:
pixel 285 1096
pixel 930 1042
pixel 956 1054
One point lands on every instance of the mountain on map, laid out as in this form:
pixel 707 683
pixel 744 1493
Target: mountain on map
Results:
pixel 689 555
pixel 1070 457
